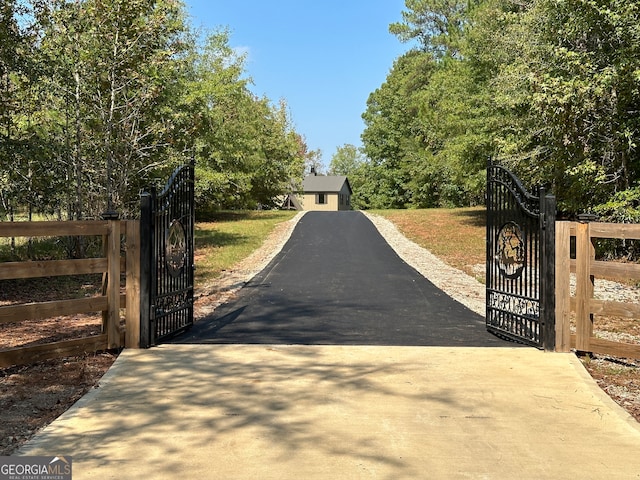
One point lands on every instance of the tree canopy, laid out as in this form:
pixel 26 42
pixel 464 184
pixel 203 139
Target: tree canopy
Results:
pixel 100 99
pixel 550 88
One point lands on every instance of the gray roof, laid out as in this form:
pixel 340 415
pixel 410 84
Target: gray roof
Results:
pixel 325 183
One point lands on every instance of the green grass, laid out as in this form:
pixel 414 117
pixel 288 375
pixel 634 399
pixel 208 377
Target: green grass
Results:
pixel 229 237
pixel 226 239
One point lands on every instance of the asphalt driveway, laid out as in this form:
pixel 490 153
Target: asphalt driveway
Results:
pixel 338 282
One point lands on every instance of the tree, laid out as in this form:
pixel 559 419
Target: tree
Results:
pixel 349 161
pixel 438 25
pixel 346 161
pixel 102 98
pixel 573 91
pixel 280 161
pixel 112 64
pixel 393 130
pixel 313 161
pixel 27 176
pixel 246 148
pixel 11 48
pixel 550 88
pixel 431 126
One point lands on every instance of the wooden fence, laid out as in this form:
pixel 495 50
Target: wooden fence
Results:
pixel 586 268
pixel 110 303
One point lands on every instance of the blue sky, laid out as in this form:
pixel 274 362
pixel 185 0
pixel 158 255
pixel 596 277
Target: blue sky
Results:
pixel 323 57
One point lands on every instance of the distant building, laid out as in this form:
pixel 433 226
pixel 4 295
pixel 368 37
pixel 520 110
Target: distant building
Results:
pixel 326 192
pixel 291 203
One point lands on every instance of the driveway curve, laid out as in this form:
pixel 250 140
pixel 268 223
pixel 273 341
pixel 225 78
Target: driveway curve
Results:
pixel 337 282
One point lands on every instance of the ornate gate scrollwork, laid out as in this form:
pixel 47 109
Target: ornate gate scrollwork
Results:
pixel 176 248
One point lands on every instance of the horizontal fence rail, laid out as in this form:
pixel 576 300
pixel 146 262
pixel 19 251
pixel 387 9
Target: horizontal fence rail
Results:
pixel 109 303
pixel 586 269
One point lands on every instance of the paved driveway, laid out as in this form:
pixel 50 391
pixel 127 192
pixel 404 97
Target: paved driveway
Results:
pixel 337 282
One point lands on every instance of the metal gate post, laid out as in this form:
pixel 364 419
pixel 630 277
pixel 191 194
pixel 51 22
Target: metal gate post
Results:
pixel 146 248
pixel 548 270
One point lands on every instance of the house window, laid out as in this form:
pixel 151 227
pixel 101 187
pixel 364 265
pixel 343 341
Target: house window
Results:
pixel 321 199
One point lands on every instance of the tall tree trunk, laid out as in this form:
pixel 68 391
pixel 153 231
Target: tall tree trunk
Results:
pixel 77 157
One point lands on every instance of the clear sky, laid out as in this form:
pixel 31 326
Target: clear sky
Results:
pixel 323 57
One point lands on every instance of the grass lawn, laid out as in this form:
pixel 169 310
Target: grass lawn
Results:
pixel 229 237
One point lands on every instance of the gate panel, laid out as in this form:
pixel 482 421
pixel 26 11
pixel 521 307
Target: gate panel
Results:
pixel 167 270
pixel 520 261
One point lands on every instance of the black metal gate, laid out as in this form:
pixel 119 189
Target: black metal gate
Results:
pixel 520 261
pixel 167 266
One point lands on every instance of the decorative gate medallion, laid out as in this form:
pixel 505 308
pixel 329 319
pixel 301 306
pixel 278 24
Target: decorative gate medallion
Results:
pixel 176 254
pixel 510 250
pixel 520 261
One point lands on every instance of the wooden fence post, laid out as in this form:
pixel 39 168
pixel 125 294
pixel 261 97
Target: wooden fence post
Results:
pixel 563 294
pixel 132 323
pixel 585 253
pixel 113 285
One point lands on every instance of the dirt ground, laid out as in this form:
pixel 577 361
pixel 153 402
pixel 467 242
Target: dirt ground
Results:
pixel 33 396
pixel 619 378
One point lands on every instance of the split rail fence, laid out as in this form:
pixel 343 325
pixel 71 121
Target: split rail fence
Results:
pixel 586 269
pixel 112 265
pixel 124 236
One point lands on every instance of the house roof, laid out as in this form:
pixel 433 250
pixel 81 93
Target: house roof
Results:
pixel 325 183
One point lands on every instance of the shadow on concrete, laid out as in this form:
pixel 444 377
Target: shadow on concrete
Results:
pixel 289 412
pixel 275 397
